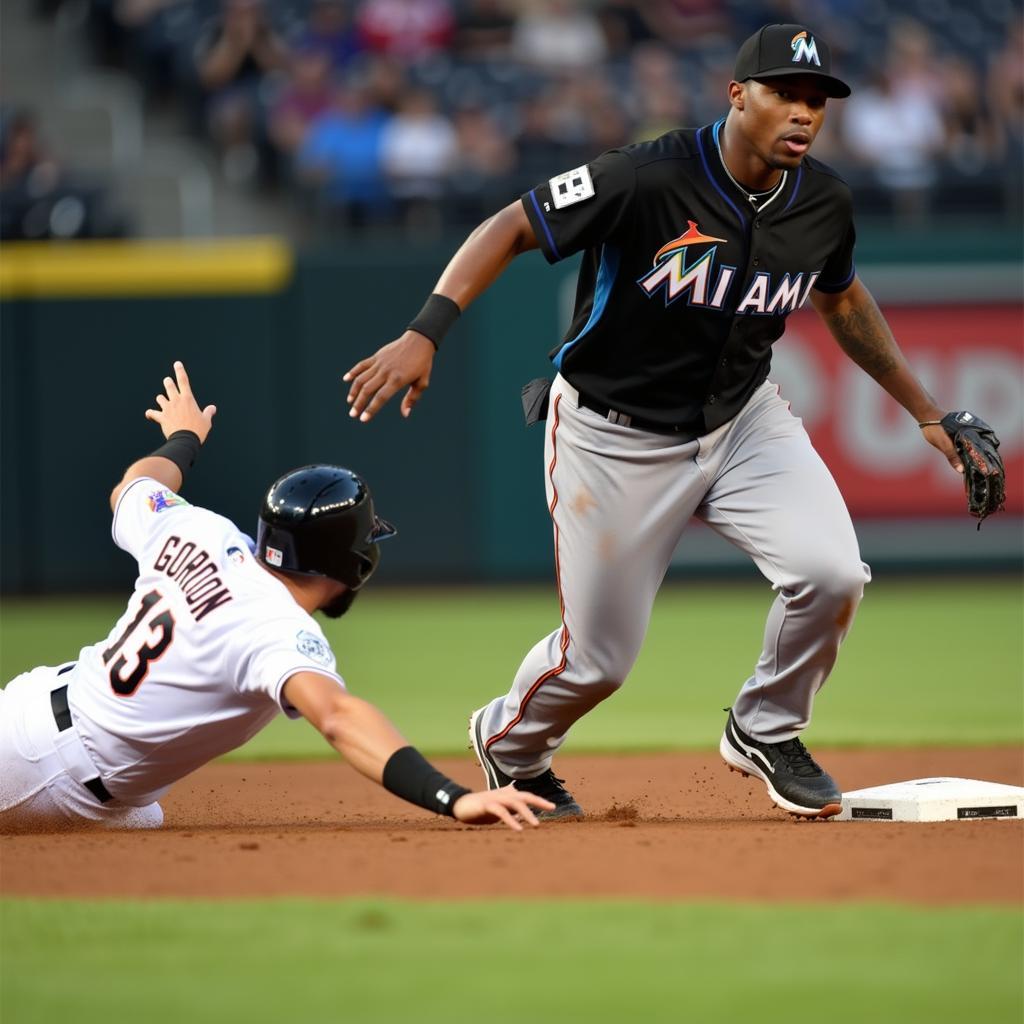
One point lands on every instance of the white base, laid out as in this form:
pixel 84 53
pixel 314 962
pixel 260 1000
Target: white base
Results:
pixel 933 800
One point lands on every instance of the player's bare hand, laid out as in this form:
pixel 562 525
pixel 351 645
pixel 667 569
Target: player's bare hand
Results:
pixel 510 805
pixel 177 408
pixel 936 435
pixel 405 361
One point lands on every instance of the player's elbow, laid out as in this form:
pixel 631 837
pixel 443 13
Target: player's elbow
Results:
pixel 519 224
pixel 510 230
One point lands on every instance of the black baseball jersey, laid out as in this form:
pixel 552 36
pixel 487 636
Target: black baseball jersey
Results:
pixel 685 283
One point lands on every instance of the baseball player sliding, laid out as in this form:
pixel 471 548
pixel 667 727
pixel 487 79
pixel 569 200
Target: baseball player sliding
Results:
pixel 696 247
pixel 217 639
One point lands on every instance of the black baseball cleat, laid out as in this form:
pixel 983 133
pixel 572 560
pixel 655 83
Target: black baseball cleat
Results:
pixel 546 785
pixel 796 783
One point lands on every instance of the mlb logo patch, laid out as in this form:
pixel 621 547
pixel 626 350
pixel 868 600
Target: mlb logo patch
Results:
pixel 572 187
pixel 273 556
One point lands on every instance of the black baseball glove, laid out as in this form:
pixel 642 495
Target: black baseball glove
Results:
pixel 984 477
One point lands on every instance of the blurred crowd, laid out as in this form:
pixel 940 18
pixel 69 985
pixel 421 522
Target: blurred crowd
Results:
pixel 41 197
pixel 423 112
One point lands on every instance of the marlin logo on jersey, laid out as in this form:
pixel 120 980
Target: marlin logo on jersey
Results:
pixel 679 277
pixel 804 48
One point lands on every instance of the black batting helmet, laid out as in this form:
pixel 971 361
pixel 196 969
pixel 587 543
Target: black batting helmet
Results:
pixel 319 521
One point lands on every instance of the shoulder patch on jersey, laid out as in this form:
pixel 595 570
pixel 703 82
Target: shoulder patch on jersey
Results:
pixel 313 647
pixel 235 555
pixel 572 187
pixel 160 501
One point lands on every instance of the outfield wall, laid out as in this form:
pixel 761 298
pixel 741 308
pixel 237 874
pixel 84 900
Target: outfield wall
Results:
pixel 89 330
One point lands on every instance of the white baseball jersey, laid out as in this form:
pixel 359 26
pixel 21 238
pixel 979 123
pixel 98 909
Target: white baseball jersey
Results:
pixel 197 663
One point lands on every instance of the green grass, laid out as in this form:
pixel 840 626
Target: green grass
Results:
pixel 935 662
pixel 506 963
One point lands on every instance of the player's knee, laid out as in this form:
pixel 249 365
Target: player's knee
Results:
pixel 604 670
pixel 841 583
pixel 602 689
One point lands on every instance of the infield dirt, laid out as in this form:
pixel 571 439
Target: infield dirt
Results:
pixel 671 826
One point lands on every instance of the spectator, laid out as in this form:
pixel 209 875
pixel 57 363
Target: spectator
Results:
pixel 232 59
pixel 913 67
pixel 23 158
pixel 657 97
pixel 307 95
pixel 624 26
pixel 385 82
pixel 572 102
pixel 484 30
pixel 1006 100
pixel 690 24
pixel 40 199
pixel 1005 88
pixel 558 35
pixel 970 133
pixel 418 151
pixel 407 29
pixel 897 135
pixel 330 29
pixel 340 159
pixel 145 35
pixel 538 145
pixel 711 85
pixel 603 124
pixel 485 160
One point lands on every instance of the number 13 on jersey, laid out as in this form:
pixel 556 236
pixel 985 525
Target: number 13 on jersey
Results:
pixel 149 641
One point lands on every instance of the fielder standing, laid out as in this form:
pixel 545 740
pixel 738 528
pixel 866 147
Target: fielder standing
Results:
pixel 217 639
pixel 696 247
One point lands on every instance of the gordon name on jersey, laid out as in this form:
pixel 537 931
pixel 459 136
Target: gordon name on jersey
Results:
pixel 196 574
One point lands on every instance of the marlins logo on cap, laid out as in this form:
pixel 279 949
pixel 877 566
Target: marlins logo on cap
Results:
pixel 805 48
pixel 778 51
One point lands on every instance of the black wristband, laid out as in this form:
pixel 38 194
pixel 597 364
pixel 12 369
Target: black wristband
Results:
pixel 411 776
pixel 436 318
pixel 181 448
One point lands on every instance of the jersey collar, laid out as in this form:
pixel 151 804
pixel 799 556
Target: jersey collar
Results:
pixel 734 197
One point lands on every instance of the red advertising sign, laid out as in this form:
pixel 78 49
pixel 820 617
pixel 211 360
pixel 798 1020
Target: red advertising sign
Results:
pixel 968 357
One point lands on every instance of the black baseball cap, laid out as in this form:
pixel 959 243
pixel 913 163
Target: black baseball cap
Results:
pixel 775 51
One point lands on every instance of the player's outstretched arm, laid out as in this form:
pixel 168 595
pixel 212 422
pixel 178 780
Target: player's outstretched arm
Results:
pixel 408 359
pixel 364 736
pixel 861 330
pixel 177 412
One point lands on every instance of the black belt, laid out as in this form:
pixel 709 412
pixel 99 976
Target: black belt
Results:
pixel 62 716
pixel 586 402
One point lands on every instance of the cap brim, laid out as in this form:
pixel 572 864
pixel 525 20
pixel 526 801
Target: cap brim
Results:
pixel 836 88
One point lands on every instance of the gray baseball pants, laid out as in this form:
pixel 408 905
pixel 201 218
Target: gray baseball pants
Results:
pixel 619 500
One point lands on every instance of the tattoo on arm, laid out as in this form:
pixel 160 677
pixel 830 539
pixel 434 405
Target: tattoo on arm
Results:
pixel 865 337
